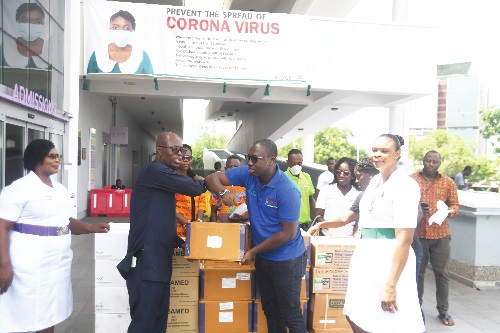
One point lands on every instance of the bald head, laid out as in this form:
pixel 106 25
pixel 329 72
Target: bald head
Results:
pixel 169 149
pixel 165 138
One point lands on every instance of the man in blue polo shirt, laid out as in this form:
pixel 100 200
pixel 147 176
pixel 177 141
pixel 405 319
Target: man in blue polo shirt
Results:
pixel 273 202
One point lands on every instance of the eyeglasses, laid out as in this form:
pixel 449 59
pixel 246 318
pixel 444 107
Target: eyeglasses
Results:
pixel 254 158
pixel 175 150
pixel 54 156
pixel 187 158
pixel 344 173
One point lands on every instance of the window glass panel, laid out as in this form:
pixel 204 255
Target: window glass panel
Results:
pixel 14 70
pixel 14 143
pixel 56 52
pixel 57 10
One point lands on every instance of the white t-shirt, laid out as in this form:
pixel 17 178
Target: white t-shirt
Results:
pixel 326 178
pixel 336 204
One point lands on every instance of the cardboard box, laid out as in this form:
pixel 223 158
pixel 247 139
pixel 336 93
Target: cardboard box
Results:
pixel 107 275
pixel 326 312
pixel 219 284
pixel 259 318
pixel 225 316
pixel 111 322
pixel 184 290
pixel 182 319
pixel 224 264
pixel 329 280
pixel 217 241
pixel 304 288
pixel 332 251
pixel 111 300
pixel 184 267
pixel 113 244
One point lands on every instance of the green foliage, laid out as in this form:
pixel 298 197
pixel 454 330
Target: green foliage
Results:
pixel 484 169
pixel 455 155
pixel 490 121
pixel 455 152
pixel 334 142
pixel 209 141
pixel 330 142
pixel 296 144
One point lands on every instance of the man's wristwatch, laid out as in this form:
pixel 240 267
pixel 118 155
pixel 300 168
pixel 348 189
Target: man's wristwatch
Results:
pixel 224 191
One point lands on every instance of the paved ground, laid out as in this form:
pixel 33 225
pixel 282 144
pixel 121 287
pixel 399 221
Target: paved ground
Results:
pixel 474 311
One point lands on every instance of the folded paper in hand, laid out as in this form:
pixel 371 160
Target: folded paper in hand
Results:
pixel 240 210
pixel 441 213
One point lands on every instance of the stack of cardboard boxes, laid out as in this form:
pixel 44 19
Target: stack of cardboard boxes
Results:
pixel 112 312
pixel 227 289
pixel 330 258
pixel 183 313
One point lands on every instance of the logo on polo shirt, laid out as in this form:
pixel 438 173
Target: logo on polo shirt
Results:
pixel 271 203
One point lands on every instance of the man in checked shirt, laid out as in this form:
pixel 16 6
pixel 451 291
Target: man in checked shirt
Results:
pixel 436 238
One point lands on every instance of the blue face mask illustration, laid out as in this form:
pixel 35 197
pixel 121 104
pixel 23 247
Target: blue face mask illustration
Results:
pixel 30 32
pixel 121 38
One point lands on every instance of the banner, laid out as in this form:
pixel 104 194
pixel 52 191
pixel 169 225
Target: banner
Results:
pixel 162 40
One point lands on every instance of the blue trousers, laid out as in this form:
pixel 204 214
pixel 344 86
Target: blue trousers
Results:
pixel 279 284
pixel 149 302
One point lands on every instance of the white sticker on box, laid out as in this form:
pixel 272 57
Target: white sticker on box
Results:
pixel 318 284
pixel 321 259
pixel 328 321
pixel 228 283
pixel 226 317
pixel 226 306
pixel 243 276
pixel 214 242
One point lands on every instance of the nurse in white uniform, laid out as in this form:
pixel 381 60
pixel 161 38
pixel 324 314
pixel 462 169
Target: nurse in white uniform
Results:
pixel 35 245
pixel 382 293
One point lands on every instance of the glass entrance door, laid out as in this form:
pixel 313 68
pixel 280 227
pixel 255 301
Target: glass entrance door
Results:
pixel 14 150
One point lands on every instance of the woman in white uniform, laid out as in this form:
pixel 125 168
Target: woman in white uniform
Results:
pixel 35 239
pixel 382 293
pixel 334 200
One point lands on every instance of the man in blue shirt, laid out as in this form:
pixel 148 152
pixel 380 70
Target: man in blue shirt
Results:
pixel 147 267
pixel 273 202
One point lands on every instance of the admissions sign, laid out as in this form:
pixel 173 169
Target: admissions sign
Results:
pixel 133 38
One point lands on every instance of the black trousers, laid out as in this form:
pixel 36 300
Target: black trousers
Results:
pixel 149 302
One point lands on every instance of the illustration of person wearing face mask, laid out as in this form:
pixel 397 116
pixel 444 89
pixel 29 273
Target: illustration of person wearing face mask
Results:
pixel 304 182
pixel 31 34
pixel 121 54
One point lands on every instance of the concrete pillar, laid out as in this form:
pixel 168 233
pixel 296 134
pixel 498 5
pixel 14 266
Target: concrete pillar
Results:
pixel 399 118
pixel 72 61
pixel 308 149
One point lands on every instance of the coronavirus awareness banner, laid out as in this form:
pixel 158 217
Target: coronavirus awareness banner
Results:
pixel 161 40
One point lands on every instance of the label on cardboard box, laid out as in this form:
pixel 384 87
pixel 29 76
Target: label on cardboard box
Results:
pixel 184 290
pixel 243 276
pixel 333 251
pixel 330 280
pixel 228 283
pixel 182 266
pixel 226 306
pixel 226 317
pixel 182 319
pixel 214 242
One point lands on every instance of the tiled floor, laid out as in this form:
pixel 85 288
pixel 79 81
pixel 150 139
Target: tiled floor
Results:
pixel 474 311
